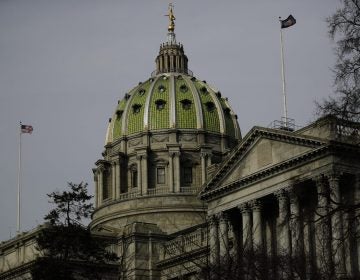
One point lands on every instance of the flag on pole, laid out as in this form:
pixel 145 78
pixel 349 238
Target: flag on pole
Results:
pixel 290 21
pixel 26 128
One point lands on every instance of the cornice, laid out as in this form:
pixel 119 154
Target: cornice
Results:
pixel 265 173
pixel 249 139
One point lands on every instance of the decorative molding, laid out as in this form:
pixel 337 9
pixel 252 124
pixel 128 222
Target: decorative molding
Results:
pixel 188 137
pixel 213 140
pixel 135 142
pixel 159 138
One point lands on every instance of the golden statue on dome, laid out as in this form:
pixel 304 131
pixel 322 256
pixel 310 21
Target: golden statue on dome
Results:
pixel 171 16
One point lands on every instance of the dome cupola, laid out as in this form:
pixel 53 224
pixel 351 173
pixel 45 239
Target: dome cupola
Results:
pixel 164 139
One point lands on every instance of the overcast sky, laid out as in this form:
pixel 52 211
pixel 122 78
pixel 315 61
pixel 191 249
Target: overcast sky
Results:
pixel 65 63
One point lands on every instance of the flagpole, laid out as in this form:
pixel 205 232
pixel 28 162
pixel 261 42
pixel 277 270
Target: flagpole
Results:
pixel 19 185
pixel 283 77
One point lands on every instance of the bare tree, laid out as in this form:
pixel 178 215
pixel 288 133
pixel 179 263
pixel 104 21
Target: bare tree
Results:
pixel 344 28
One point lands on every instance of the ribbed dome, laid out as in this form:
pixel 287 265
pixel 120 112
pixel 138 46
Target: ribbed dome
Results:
pixel 172 100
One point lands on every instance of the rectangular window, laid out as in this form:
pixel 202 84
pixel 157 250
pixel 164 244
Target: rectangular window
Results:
pixel 188 175
pixel 134 177
pixel 160 175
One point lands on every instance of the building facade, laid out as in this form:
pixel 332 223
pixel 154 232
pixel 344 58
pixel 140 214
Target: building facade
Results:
pixel 185 196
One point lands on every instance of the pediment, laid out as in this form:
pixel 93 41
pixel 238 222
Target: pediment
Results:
pixel 259 150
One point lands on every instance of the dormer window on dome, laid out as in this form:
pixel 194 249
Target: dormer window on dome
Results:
pixel 203 90
pixel 210 106
pixel 161 88
pixel 119 113
pixel 183 88
pixel 160 104
pixel 141 91
pixel 136 108
pixel 186 104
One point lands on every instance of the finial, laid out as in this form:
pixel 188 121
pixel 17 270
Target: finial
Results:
pixel 171 16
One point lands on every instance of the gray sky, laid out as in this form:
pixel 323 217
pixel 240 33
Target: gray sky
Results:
pixel 65 63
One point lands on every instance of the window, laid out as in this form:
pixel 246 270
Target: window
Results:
pixel 210 106
pixel 160 175
pixel 186 104
pixel 134 178
pixel 160 104
pixel 204 90
pixel 187 174
pixel 141 92
pixel 183 88
pixel 161 88
pixel 136 108
pixel 119 113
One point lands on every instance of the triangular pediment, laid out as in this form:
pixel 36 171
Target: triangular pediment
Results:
pixel 259 150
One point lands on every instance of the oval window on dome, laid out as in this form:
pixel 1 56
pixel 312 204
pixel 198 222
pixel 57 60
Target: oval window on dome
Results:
pixel 136 108
pixel 203 90
pixel 210 106
pixel 119 113
pixel 186 104
pixel 227 112
pixel 160 104
pixel 161 88
pixel 141 91
pixel 183 88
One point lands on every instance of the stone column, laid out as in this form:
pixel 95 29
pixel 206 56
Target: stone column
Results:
pixel 171 172
pixel 139 169
pixel 203 167
pixel 283 241
pixel 224 236
pixel 176 174
pixel 96 181
pixel 247 243
pixel 144 174
pixel 323 229
pixel 338 241
pixel 113 180
pixel 257 226
pixel 100 184
pixel 214 241
pixel 118 179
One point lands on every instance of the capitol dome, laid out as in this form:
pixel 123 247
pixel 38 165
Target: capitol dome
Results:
pixel 164 140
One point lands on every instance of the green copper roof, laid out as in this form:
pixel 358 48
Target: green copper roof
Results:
pixel 172 100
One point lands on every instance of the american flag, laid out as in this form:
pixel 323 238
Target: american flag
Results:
pixel 26 128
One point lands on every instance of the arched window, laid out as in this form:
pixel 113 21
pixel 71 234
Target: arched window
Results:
pixel 134 178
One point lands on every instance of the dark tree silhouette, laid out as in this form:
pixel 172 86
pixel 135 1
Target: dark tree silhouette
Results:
pixel 344 29
pixel 69 250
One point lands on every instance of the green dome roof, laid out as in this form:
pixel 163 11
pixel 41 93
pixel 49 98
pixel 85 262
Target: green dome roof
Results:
pixel 172 100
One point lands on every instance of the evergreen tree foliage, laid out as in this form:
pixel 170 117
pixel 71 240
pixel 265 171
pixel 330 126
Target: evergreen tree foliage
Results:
pixel 344 28
pixel 69 250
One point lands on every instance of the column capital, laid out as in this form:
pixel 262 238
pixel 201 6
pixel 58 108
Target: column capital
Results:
pixel 205 154
pixel 223 217
pixel 256 205
pixel 244 208
pixel 213 220
pixel 282 193
pixel 174 154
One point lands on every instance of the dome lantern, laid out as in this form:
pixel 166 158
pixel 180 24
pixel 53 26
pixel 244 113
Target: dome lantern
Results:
pixel 171 56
